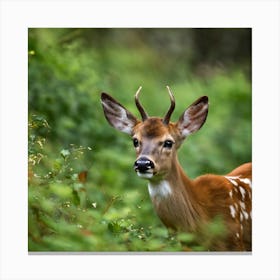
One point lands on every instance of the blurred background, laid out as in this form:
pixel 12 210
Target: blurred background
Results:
pixel 83 192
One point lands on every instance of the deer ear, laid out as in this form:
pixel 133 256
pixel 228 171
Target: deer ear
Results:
pixel 117 115
pixel 194 117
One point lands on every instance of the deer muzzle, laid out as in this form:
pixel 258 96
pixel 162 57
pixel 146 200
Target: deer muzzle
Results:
pixel 144 167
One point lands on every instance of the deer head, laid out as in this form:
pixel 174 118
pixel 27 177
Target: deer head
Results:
pixel 155 139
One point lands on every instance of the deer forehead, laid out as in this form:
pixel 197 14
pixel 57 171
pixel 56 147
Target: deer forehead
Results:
pixel 154 128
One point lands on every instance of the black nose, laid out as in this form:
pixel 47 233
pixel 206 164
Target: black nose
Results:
pixel 143 164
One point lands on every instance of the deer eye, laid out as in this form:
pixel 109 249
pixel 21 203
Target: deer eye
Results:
pixel 168 144
pixel 135 142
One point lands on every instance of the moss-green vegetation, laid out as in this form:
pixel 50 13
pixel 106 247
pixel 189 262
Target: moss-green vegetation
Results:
pixel 83 193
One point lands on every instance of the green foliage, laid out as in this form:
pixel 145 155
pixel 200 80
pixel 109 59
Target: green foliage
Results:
pixel 68 213
pixel 83 193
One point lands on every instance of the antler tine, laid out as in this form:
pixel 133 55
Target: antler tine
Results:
pixel 144 115
pixel 166 119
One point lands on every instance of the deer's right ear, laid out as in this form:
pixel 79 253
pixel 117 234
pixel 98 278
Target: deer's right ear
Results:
pixel 117 115
pixel 194 117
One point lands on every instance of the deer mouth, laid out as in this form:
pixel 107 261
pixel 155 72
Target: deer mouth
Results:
pixel 145 175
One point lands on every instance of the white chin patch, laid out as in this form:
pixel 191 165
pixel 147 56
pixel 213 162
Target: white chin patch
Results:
pixel 145 175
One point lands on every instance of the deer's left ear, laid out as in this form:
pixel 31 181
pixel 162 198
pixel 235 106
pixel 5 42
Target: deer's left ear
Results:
pixel 194 117
pixel 117 116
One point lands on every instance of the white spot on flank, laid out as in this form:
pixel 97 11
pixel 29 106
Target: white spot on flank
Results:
pixel 246 181
pixel 230 194
pixel 243 180
pixel 245 215
pixel 231 179
pixel 237 235
pixel 243 192
pixel 232 211
pixel 161 189
pixel 242 204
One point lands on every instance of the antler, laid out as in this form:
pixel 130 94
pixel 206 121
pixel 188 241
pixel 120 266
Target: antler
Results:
pixel 166 119
pixel 144 115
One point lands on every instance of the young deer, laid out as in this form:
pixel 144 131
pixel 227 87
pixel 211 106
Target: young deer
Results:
pixel 183 204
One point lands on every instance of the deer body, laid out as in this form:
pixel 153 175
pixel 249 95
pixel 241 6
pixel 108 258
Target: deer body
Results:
pixel 181 203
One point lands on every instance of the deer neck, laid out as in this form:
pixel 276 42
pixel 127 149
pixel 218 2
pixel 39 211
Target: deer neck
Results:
pixel 174 199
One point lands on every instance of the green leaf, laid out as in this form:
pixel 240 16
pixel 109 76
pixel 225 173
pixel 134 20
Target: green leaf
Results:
pixel 65 153
pixel 61 190
pixel 115 227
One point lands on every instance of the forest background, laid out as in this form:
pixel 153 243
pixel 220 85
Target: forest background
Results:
pixel 83 194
